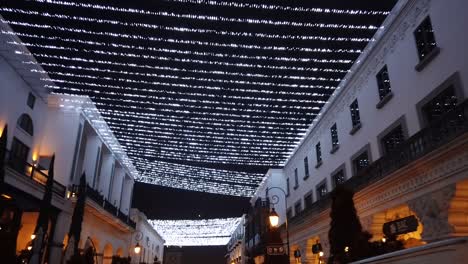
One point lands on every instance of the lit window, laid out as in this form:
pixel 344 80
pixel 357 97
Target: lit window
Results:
pixel 318 152
pixel 338 178
pixel 393 139
pixel 355 117
pixel 361 162
pixel 334 137
pixel 441 104
pixel 383 83
pixel 425 39
pixel 322 190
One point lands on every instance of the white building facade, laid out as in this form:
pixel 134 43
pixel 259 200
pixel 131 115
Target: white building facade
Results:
pixel 151 242
pixel 395 130
pixel 41 125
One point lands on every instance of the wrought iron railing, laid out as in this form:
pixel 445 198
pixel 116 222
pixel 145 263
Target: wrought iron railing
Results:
pixel 33 172
pixel 440 132
pixel 106 205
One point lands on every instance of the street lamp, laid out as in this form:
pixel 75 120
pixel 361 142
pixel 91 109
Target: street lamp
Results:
pixel 274 218
pixel 137 248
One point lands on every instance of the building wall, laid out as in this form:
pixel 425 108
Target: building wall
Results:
pixel 55 131
pixel 397 50
pixel 149 239
pixel 13 103
pixel 275 183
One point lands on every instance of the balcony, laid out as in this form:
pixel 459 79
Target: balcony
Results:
pixel 35 173
pixel 449 127
pixel 106 205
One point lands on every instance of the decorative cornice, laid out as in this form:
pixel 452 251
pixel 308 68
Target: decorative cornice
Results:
pixel 84 106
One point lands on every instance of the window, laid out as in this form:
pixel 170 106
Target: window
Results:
pixel 334 138
pixel 439 105
pixel 25 122
pixel 383 83
pixel 355 117
pixel 97 169
pixel 392 140
pixel 297 207
pixel 287 187
pixel 289 213
pixel 306 168
pixel 338 178
pixel 360 162
pixel 425 39
pixel 308 200
pixel 111 182
pixel 318 152
pixel 19 155
pixel 296 179
pixel 31 100
pixel 321 190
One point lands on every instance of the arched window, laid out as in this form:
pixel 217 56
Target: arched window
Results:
pixel 25 122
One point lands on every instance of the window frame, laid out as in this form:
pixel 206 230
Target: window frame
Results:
pixel 453 80
pixel 356 123
pixel 311 195
pixel 31 101
pixel 341 168
pixel 318 186
pixel 365 148
pixel 335 140
pixel 296 205
pixel 424 60
pixel 383 98
pixel 399 122
pixel 296 179
pixel 306 168
pixel 20 122
pixel 318 154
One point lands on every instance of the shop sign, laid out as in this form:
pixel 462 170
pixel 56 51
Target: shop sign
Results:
pixel 275 250
pixel 401 226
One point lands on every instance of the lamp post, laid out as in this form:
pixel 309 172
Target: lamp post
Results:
pixel 274 218
pixel 137 248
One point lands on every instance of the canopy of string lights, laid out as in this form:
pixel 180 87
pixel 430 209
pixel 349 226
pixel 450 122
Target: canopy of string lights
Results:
pixel 206 232
pixel 202 94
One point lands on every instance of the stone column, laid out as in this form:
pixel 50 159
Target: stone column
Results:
pixel 56 244
pixel 432 209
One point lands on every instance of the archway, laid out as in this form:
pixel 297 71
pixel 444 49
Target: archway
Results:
pixel 119 252
pixel 107 254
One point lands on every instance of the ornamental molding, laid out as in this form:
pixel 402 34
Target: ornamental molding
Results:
pixel 404 17
pixel 411 182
